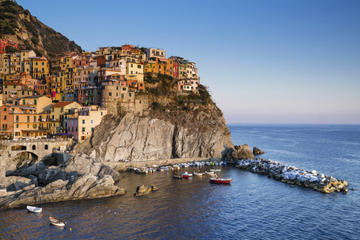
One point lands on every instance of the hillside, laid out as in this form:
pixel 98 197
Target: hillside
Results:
pixel 17 24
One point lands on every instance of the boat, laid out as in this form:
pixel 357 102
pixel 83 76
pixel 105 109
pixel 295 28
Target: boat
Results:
pixel 220 180
pixel 56 222
pixel 215 170
pixel 177 176
pixel 211 174
pixel 186 175
pixel 198 174
pixel 34 209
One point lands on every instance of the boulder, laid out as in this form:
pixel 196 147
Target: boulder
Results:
pixel 257 151
pixel 143 190
pixel 242 152
pixel 15 183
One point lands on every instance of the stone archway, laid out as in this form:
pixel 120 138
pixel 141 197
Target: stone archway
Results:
pixel 24 159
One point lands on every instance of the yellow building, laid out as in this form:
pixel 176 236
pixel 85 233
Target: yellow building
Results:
pixel 59 112
pixel 39 67
pixel 83 124
pixel 40 103
pixel 135 70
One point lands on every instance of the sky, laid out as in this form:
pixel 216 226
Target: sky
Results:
pixel 279 61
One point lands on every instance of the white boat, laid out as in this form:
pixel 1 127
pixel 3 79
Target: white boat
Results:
pixel 34 209
pixel 56 222
pixel 198 174
pixel 215 170
pixel 211 174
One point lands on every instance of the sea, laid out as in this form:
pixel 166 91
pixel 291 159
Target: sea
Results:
pixel 252 207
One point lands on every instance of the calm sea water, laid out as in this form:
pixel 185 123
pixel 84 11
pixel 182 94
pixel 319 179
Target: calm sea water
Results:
pixel 253 207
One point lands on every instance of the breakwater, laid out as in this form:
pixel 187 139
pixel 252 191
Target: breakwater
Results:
pixel 292 175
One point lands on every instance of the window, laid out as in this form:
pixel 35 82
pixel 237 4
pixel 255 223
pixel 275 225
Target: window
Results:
pixel 83 121
pixel 34 118
pixel 17 125
pixel 28 118
pixel 46 147
pixel 35 102
pixel 5 117
pixel 83 129
pixel 17 118
pixel 33 147
pixel 110 94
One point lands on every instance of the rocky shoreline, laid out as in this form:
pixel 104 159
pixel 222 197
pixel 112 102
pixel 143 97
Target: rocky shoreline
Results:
pixel 81 177
pixel 84 177
pixel 292 175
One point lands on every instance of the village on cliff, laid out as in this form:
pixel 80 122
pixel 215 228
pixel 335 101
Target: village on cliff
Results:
pixel 67 96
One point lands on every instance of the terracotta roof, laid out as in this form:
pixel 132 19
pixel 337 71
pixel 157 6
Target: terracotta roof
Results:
pixel 63 104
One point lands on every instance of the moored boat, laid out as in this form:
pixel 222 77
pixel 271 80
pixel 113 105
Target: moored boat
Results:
pixel 221 180
pixel 211 174
pixel 34 209
pixel 56 222
pixel 177 176
pixel 215 170
pixel 198 174
pixel 186 175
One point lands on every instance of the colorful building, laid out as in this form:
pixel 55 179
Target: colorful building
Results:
pixel 82 125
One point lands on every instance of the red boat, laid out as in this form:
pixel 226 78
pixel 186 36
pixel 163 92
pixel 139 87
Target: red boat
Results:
pixel 220 180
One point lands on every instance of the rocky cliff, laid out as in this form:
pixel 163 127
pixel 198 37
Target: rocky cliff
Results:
pixel 19 25
pixel 169 131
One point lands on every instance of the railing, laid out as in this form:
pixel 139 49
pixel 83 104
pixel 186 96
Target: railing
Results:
pixel 32 140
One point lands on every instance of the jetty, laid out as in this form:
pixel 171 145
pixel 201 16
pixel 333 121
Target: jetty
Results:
pixel 293 175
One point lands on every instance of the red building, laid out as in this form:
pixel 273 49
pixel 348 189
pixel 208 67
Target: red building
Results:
pixel 5 42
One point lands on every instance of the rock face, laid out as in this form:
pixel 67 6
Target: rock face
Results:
pixel 292 175
pixel 81 178
pixel 257 151
pixel 136 138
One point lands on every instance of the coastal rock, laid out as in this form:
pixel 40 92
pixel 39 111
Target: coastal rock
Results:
pixel 242 152
pixel 143 190
pixel 15 183
pixel 257 151
pixel 292 175
pixel 81 177
pixel 135 138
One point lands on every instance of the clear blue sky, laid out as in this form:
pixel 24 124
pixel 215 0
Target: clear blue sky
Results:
pixel 280 61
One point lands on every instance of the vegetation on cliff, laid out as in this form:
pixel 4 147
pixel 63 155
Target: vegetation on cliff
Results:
pixel 19 25
pixel 182 110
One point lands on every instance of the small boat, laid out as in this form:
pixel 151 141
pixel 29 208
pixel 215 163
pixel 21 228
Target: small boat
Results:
pixel 56 222
pixel 177 176
pixel 186 175
pixel 215 170
pixel 198 174
pixel 34 209
pixel 211 174
pixel 220 180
